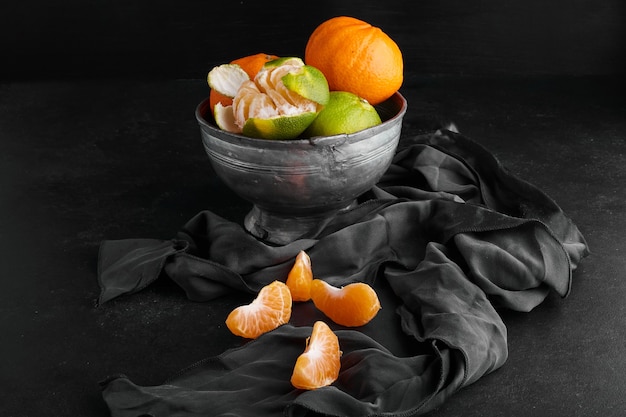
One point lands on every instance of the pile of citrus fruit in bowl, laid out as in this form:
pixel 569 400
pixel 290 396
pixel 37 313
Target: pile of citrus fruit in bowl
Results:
pixel 301 138
pixel 349 67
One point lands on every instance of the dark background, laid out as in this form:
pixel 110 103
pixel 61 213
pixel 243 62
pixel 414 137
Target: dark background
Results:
pixel 98 141
pixel 185 38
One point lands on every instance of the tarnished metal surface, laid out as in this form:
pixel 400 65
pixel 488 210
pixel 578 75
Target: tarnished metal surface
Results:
pixel 294 185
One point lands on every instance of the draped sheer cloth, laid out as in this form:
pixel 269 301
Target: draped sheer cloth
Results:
pixel 447 230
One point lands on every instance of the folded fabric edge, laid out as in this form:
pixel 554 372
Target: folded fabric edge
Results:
pixel 126 266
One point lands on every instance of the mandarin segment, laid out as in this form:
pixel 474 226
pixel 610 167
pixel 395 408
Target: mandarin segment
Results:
pixel 300 278
pixel 270 309
pixel 356 57
pixel 318 366
pixel 251 64
pixel 354 305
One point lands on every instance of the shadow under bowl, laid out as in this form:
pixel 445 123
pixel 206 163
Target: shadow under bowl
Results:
pixel 295 185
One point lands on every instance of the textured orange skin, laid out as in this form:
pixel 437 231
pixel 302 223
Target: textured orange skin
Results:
pixel 356 57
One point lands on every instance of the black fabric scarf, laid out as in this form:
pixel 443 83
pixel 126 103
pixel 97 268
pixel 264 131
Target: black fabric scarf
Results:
pixel 448 230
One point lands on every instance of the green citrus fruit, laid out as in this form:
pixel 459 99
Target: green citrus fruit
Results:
pixel 309 82
pixel 344 113
pixel 278 128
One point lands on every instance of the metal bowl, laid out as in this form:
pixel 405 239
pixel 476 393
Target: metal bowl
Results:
pixel 295 185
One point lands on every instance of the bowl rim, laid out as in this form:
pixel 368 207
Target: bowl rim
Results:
pixel 202 108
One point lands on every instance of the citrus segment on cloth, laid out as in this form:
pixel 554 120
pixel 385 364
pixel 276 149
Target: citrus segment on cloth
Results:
pixel 251 64
pixel 270 309
pixel 356 57
pixel 268 108
pixel 345 113
pixel 318 366
pixel 300 277
pixel 354 305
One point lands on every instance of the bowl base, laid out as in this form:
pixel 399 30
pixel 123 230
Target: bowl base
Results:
pixel 280 228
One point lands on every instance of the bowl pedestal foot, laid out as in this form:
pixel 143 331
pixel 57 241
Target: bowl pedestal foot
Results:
pixel 281 228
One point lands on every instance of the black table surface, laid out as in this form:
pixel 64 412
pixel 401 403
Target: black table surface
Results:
pixel 84 161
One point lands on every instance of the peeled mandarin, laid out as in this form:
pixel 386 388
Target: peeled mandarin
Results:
pixel 251 64
pixel 280 103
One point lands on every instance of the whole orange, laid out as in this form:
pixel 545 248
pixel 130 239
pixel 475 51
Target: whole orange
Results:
pixel 356 57
pixel 251 64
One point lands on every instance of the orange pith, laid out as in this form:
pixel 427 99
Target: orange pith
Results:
pixel 320 363
pixel 300 277
pixel 251 64
pixel 270 309
pixel 353 305
pixel 356 57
